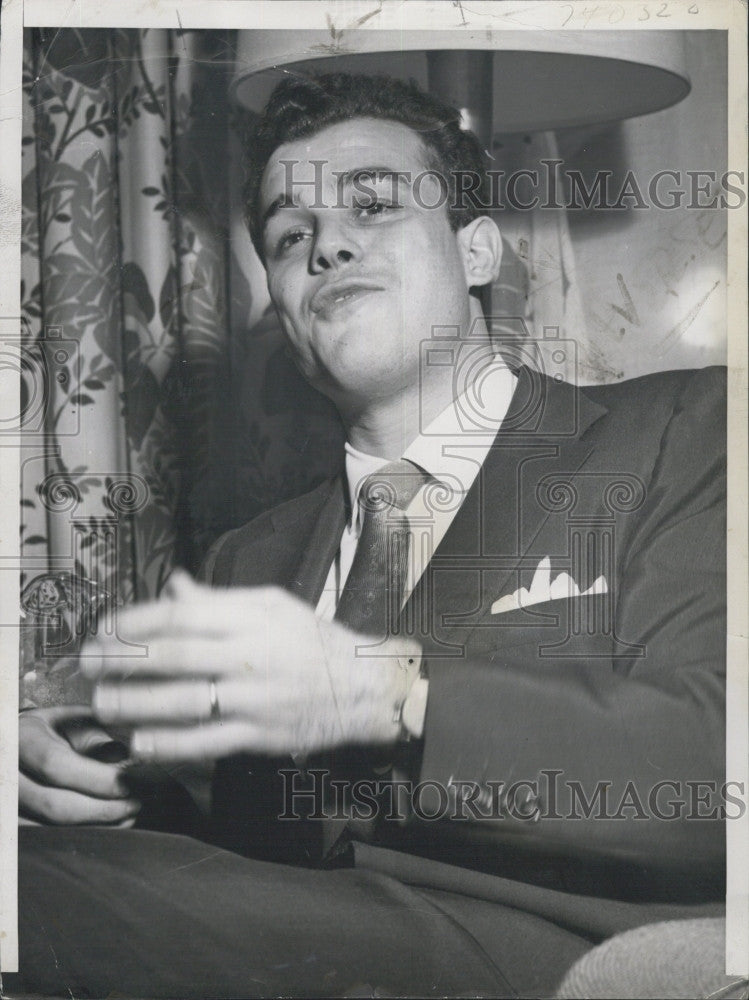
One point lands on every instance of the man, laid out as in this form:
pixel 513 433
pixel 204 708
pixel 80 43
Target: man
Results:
pixel 510 608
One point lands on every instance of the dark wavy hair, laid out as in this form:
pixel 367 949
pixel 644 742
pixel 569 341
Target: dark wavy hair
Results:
pixel 302 106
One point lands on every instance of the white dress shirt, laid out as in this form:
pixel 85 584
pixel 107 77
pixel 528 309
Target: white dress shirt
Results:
pixel 452 449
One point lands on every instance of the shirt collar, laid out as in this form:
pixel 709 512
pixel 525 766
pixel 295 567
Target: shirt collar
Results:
pixel 452 448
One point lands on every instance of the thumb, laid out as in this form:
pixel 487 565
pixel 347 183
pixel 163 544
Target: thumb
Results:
pixel 180 585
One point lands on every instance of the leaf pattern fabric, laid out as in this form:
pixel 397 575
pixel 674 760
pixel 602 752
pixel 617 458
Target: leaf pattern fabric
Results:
pixel 125 323
pixel 159 405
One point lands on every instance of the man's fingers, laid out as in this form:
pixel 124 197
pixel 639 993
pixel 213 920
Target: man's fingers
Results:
pixel 200 656
pixel 181 585
pixel 189 700
pixel 46 756
pixel 159 701
pixel 63 806
pixel 93 741
pixel 205 613
pixel 206 742
pixel 61 716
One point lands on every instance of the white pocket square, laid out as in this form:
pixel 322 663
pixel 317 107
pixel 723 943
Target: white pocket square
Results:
pixel 543 589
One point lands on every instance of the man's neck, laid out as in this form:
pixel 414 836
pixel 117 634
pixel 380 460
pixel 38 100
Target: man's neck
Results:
pixel 386 427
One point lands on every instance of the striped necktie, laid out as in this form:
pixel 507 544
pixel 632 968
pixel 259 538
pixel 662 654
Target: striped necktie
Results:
pixel 372 596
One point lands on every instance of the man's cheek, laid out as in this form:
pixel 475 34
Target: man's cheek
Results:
pixel 288 317
pixel 283 292
pixel 293 342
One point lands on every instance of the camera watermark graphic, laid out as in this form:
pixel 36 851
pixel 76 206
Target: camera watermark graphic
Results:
pixel 477 387
pixel 47 368
pixel 77 598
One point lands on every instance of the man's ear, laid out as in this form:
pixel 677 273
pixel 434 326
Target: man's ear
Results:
pixel 480 243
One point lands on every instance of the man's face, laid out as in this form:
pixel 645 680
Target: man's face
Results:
pixel 359 281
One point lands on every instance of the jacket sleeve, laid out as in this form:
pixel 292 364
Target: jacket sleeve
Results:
pixel 612 759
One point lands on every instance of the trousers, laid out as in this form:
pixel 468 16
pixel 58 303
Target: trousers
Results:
pixel 141 914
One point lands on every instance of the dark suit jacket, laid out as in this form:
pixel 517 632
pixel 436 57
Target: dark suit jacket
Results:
pixel 617 693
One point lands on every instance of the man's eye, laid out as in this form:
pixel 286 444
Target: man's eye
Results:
pixel 372 209
pixel 289 239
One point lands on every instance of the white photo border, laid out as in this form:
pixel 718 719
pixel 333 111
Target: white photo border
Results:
pixel 350 15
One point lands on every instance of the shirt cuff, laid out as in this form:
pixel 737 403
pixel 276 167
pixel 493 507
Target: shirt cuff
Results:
pixel 414 709
pixel 410 698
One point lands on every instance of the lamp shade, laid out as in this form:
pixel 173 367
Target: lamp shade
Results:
pixel 541 79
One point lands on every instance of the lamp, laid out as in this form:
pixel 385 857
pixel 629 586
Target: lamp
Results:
pixel 536 80
pixel 504 83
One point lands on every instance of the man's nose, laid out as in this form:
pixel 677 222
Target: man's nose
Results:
pixel 331 248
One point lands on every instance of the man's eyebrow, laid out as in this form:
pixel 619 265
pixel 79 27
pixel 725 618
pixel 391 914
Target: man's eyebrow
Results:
pixel 282 201
pixel 343 178
pixel 376 172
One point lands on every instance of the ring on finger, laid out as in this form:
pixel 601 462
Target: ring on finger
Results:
pixel 215 708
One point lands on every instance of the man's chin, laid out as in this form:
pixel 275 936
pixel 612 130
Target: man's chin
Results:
pixel 349 383
pixel 346 347
pixel 346 327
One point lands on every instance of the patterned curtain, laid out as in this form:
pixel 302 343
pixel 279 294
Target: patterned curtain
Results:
pixel 124 325
pixel 159 405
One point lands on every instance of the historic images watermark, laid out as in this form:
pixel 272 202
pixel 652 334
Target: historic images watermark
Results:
pixel 315 794
pixel 550 186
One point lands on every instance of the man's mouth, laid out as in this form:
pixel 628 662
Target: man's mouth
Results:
pixel 344 296
pixel 331 297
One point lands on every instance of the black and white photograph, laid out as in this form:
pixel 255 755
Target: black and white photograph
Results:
pixel 373 539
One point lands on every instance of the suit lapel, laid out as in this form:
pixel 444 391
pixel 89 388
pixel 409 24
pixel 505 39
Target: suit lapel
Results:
pixel 502 525
pixel 495 534
pixel 297 547
pixel 317 556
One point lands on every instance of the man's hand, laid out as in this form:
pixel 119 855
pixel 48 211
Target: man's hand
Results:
pixel 251 669
pixel 60 781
